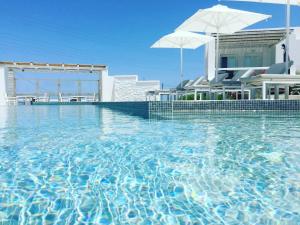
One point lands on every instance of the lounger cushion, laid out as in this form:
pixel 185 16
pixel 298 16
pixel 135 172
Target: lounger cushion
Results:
pixel 238 75
pixel 278 68
pixel 198 81
pixel 221 77
pixel 180 87
pixel 248 73
pixel 231 83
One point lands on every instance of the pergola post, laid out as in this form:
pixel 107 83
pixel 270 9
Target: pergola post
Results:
pixel 11 83
pixel 78 87
pixel 37 87
pixel 58 87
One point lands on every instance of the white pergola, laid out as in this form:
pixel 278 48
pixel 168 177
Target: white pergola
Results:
pixel 8 70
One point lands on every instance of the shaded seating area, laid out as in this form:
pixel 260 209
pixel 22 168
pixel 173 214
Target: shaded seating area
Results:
pixel 247 83
pixel 272 83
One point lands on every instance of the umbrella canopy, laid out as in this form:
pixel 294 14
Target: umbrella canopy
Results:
pixel 288 21
pixel 291 2
pixel 221 19
pixel 182 40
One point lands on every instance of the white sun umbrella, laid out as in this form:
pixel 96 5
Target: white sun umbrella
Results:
pixel 182 40
pixel 221 19
pixel 288 4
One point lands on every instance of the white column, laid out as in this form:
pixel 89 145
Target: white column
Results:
pixel 264 91
pixel 181 67
pixel 3 85
pixel 100 84
pixel 217 58
pixel 106 87
pixel 287 45
pixel 210 59
pixel 287 92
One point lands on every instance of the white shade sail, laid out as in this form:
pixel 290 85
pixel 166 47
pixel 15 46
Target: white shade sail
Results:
pixel 291 2
pixel 221 19
pixel 182 39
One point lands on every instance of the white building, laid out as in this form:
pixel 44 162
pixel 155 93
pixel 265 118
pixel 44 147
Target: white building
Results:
pixel 126 88
pixel 253 49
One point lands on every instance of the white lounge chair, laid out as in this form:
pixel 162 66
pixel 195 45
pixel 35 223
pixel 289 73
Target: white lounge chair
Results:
pixel 275 77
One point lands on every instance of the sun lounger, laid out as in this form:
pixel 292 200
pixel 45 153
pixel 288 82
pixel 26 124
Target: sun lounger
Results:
pixel 217 81
pixel 274 76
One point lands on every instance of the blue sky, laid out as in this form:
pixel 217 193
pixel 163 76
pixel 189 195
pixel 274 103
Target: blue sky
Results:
pixel 117 33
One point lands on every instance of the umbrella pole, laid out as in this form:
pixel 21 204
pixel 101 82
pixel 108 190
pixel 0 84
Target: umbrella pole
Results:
pixel 181 67
pixel 287 45
pixel 217 58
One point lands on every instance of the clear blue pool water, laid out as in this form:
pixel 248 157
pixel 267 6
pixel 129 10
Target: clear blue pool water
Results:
pixel 85 165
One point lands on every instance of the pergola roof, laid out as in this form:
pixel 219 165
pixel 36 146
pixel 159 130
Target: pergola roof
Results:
pixel 51 67
pixel 250 38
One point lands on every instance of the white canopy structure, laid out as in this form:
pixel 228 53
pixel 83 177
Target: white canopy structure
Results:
pixel 288 4
pixel 221 19
pixel 182 40
pixel 291 2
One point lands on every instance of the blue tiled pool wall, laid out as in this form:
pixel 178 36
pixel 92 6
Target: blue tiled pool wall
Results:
pixel 133 108
pixel 166 109
pixel 191 106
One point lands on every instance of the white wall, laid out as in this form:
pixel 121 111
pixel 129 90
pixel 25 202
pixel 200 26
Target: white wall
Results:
pixel 294 51
pixel 3 85
pixel 107 84
pixel 126 88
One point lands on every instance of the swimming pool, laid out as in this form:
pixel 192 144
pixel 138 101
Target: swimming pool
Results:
pixel 86 164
